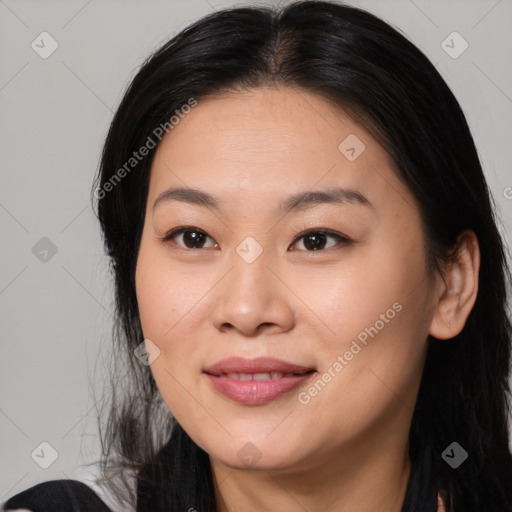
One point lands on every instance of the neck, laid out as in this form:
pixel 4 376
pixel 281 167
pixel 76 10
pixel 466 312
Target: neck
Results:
pixel 363 477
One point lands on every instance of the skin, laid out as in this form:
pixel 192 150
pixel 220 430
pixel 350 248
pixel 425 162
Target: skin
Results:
pixel 346 449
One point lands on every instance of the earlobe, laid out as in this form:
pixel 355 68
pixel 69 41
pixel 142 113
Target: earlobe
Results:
pixel 458 290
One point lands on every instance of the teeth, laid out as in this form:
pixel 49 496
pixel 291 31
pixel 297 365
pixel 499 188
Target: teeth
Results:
pixel 260 376
pixel 257 376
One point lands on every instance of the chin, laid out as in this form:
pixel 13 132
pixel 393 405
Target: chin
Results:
pixel 257 454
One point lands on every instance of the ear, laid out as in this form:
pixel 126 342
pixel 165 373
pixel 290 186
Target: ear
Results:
pixel 457 290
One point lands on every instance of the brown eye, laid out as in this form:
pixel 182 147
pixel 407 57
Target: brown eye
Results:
pixel 192 238
pixel 317 240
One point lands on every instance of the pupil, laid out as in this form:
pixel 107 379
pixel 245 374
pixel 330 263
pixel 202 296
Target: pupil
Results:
pixel 317 241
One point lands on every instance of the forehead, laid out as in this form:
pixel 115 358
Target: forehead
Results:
pixel 268 143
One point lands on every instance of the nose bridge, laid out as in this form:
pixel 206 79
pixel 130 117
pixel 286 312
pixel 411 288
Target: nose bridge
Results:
pixel 251 277
pixel 251 295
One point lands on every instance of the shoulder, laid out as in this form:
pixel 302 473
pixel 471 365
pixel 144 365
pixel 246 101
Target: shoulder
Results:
pixel 57 496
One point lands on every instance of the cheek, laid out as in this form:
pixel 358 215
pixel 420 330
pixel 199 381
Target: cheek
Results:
pixel 171 310
pixel 155 303
pixel 377 315
pixel 163 307
pixel 163 294
pixel 156 299
pixel 366 289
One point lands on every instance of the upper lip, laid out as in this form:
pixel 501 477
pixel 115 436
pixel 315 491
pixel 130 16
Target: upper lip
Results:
pixel 257 365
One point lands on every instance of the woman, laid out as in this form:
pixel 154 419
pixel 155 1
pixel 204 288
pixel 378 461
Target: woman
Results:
pixel 310 283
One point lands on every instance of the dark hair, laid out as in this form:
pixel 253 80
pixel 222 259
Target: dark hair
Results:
pixel 363 65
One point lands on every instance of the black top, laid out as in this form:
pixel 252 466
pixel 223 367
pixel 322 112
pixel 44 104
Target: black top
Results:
pixel 154 493
pixel 58 496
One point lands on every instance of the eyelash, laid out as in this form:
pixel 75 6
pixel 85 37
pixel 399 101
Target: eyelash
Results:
pixel 342 240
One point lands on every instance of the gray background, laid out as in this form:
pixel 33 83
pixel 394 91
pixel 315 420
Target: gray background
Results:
pixel 55 315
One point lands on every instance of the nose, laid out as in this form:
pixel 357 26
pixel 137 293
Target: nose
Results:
pixel 253 299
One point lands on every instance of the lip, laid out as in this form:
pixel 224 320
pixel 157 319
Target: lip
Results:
pixel 257 365
pixel 256 392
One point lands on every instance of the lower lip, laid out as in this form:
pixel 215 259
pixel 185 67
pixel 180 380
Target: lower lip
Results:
pixel 257 392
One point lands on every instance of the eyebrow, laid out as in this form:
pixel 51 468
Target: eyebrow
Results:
pixel 298 201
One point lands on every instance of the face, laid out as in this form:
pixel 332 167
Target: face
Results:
pixel 334 284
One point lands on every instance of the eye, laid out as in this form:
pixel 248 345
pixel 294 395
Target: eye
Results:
pixel 192 237
pixel 315 240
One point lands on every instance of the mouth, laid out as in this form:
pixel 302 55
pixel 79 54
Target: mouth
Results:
pixel 256 381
